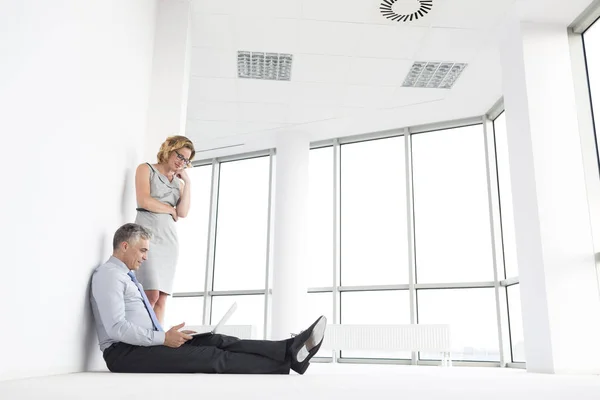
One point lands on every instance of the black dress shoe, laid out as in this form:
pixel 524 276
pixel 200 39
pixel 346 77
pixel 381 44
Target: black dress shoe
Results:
pixel 308 342
pixel 300 367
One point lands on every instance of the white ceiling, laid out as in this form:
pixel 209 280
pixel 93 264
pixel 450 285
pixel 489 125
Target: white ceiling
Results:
pixel 349 64
pixel 562 12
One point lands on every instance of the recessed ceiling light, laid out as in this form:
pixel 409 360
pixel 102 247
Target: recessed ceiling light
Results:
pixel 270 66
pixel 436 75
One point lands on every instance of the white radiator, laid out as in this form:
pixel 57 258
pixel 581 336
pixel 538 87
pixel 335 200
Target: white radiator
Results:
pixel 417 337
pixel 240 331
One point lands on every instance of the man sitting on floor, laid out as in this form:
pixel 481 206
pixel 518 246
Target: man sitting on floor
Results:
pixel 132 339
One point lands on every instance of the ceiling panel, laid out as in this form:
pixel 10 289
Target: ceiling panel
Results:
pixel 385 41
pixel 357 11
pixel 263 91
pixel 469 14
pixel 457 45
pixel 315 37
pixel 213 111
pixel 323 94
pixel 270 8
pixel 481 73
pixel 263 112
pixel 320 68
pixel 306 114
pixel 551 11
pixel 405 96
pixel 212 89
pixel 265 34
pixel 254 127
pixel 213 31
pixel 203 7
pixel 377 71
pixel 210 62
pixel 368 96
pixel 202 130
pixel 341 10
pixel 352 112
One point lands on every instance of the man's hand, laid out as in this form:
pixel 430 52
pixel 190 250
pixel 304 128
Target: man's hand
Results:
pixel 174 338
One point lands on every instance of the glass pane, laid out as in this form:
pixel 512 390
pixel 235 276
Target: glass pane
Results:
pixel 591 40
pixel 320 304
pixel 320 237
pixel 506 203
pixel 373 213
pixel 516 323
pixel 250 311
pixel 192 232
pixel 471 314
pixel 452 223
pixel 240 254
pixel 184 309
pixel 376 308
pixel 269 317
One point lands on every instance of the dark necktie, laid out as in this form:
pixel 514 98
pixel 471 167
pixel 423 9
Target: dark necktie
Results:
pixel 155 322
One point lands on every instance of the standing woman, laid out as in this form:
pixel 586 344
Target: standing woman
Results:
pixel 163 196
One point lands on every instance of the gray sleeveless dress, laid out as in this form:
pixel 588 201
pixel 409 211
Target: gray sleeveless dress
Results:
pixel 158 271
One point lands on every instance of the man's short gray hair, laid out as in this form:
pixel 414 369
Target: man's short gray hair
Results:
pixel 130 232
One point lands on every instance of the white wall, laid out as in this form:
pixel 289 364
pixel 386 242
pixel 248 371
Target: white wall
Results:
pixel 74 89
pixel 555 251
pixel 170 74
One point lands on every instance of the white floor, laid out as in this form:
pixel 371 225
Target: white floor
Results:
pixel 321 381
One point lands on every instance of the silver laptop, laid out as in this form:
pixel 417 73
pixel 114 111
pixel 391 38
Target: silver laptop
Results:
pixel 219 326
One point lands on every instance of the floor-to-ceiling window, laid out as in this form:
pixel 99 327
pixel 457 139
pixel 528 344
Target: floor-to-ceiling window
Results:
pixel 452 240
pixel 191 267
pixel 400 231
pixel 374 273
pixel 591 44
pixel 509 275
pixel 223 245
pixel 321 234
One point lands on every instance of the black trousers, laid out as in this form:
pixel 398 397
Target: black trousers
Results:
pixel 208 354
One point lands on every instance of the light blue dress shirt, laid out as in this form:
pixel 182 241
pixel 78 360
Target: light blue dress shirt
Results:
pixel 119 311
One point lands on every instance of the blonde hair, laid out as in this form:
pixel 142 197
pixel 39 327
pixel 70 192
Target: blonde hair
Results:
pixel 172 144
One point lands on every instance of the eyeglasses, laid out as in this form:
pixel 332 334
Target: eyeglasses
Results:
pixel 182 158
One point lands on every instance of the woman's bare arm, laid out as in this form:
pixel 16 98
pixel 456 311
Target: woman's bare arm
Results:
pixel 183 206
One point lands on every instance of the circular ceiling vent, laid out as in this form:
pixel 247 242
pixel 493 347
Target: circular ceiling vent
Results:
pixel 387 11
